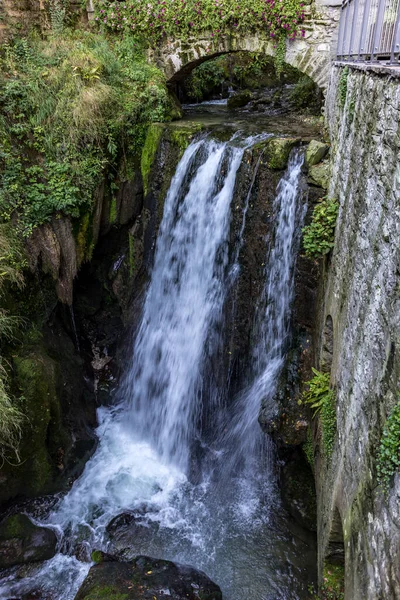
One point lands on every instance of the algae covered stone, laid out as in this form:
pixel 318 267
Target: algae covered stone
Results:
pixel 278 150
pixel 23 542
pixel 146 577
pixel 320 174
pixel 316 151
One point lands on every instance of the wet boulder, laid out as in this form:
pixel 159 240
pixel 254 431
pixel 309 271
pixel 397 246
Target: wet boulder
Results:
pixel 315 152
pixel 239 100
pixel 278 150
pixel 147 578
pixel 23 542
pixel 131 530
pixel 320 174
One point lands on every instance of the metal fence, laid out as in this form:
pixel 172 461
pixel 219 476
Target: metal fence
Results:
pixel 369 31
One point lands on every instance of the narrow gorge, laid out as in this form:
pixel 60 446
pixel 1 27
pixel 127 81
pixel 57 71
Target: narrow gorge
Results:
pixel 199 305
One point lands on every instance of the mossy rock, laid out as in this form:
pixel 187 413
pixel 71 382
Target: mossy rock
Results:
pixel 146 577
pixel 278 150
pixel 98 556
pixel 43 437
pixel 174 107
pixel 23 542
pixel 315 152
pixel 151 144
pixel 320 174
pixel 239 100
pixel 181 135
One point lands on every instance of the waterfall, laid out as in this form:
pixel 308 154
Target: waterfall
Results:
pixel 242 438
pixel 145 441
pixel 185 298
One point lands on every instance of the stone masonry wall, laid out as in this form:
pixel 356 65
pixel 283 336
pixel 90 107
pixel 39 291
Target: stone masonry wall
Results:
pixel 312 54
pixel 362 297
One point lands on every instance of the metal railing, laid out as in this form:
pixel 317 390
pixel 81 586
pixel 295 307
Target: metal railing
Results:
pixel 369 31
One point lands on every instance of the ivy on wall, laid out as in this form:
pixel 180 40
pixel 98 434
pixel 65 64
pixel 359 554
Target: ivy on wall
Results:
pixel 319 235
pixel 321 399
pixel 389 448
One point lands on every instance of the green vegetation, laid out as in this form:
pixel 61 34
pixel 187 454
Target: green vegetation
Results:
pixel 97 556
pixel 70 108
pixel 306 94
pixel 205 77
pixel 333 584
pixel 11 420
pixel 183 18
pixel 150 147
pixel 105 593
pixel 389 448
pixel 342 88
pixel 321 398
pixel 11 417
pixel 319 235
pixel 308 449
pixel 332 587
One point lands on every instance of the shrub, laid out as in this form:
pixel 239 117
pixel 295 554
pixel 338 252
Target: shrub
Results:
pixel 321 398
pixel 332 587
pixel 69 107
pixel 11 419
pixel 389 448
pixel 319 235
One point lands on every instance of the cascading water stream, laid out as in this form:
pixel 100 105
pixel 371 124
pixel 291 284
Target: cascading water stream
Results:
pixel 184 300
pixel 142 461
pixel 272 327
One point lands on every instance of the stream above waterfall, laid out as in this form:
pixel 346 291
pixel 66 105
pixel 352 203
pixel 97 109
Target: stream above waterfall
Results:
pixel 182 470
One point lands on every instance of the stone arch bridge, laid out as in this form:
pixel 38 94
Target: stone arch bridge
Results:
pixel 311 54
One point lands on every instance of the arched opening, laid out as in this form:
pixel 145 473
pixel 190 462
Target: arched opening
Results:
pixel 247 79
pixel 335 552
pixel 334 564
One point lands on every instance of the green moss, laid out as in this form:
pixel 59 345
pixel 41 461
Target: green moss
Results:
pixel 278 150
pixel 315 152
pixel 83 238
pixel 35 374
pixel 308 449
pixel 239 100
pixel 97 556
pixel 320 174
pixel 105 593
pixel 182 136
pixel 149 152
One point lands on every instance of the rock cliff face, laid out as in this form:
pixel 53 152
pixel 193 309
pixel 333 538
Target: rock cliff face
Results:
pixel 360 334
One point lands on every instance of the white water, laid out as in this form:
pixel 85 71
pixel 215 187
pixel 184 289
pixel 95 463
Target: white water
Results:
pixel 142 461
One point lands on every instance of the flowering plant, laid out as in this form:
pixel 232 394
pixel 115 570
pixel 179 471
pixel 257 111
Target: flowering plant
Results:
pixel 158 19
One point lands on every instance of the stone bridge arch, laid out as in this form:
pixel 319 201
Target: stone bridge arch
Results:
pixel 311 54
